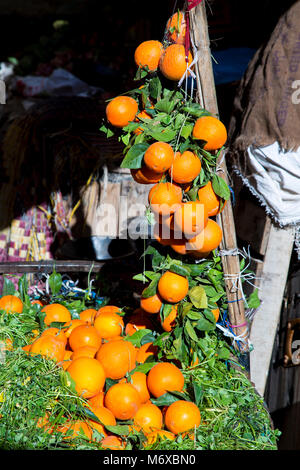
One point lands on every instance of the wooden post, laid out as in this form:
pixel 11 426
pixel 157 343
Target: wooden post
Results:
pixel 206 96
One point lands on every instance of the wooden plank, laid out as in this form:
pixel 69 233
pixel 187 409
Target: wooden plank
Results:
pixel 273 280
pixel 207 98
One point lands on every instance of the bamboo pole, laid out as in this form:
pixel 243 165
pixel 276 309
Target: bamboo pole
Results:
pixel 206 96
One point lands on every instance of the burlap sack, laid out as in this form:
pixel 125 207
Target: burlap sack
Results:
pixel 264 129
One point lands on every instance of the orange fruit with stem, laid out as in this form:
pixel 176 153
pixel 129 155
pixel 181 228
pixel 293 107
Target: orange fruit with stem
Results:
pixel 69 327
pixel 121 110
pixel 164 198
pixel 169 323
pixel 117 358
pixel 11 304
pixel 139 381
pixel 173 62
pixel 176 28
pixel 190 219
pixel 88 315
pixel 145 351
pixel 182 416
pixel 159 157
pixel 210 199
pixel 108 309
pixel 123 400
pixel 207 240
pixel 85 335
pixel 185 168
pixel 57 333
pixel 164 377
pixel 151 304
pixel 138 321
pixel 56 313
pixel 88 375
pixel 105 416
pixel 172 287
pixel 148 54
pixel 148 417
pixel 145 176
pixel 211 130
pixel 108 323
pixel 49 347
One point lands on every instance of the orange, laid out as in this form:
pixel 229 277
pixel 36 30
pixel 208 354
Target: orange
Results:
pixel 56 313
pixel 179 246
pixel 138 321
pixel 164 198
pixel 159 157
pixel 185 168
pixel 97 400
pixel 159 434
pixel 105 416
pixel 84 335
pixel 121 110
pixel 108 323
pixel 78 427
pixel 142 115
pixel 113 443
pixel 145 351
pixel 7 345
pixel 169 322
pixel 117 358
pixel 139 381
pixel 163 234
pixel 148 54
pixel 57 333
pixel 84 351
pixel 49 347
pixel 88 315
pixel 216 313
pixel 211 130
pixel 190 219
pixel 173 63
pixel 67 359
pixel 73 324
pixel 148 417
pixel 89 376
pixel 123 400
pixel 145 176
pixel 164 377
pixel 38 302
pixel 209 198
pixel 172 287
pixel 11 304
pixel 209 240
pixel 151 304
pixel 182 416
pixel 176 28
pixel 108 309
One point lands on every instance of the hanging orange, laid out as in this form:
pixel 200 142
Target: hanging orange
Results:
pixel 185 168
pixel 121 110
pixel 164 198
pixel 207 240
pixel 145 176
pixel 209 198
pixel 176 28
pixel 211 130
pixel 148 54
pixel 173 287
pixel 190 219
pixel 159 157
pixel 173 62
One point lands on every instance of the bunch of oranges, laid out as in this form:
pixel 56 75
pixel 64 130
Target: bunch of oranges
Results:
pixel 187 226
pixel 94 348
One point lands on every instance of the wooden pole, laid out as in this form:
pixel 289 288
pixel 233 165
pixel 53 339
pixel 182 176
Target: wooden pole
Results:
pixel 206 96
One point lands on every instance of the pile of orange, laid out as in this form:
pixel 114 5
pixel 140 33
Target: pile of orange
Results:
pixel 95 348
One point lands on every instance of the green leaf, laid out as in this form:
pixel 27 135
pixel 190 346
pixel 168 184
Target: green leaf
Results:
pixel 180 269
pixel 220 187
pixel 119 429
pixel 55 282
pixel 151 289
pixel 205 324
pixel 155 88
pixel 253 301
pixel 136 337
pixel 190 331
pixel 198 297
pixel 198 392
pixel 187 130
pixel 163 136
pixel 195 110
pixel 8 287
pixel 134 156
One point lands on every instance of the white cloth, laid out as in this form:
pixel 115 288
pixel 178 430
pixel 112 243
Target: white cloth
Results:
pixel 273 176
